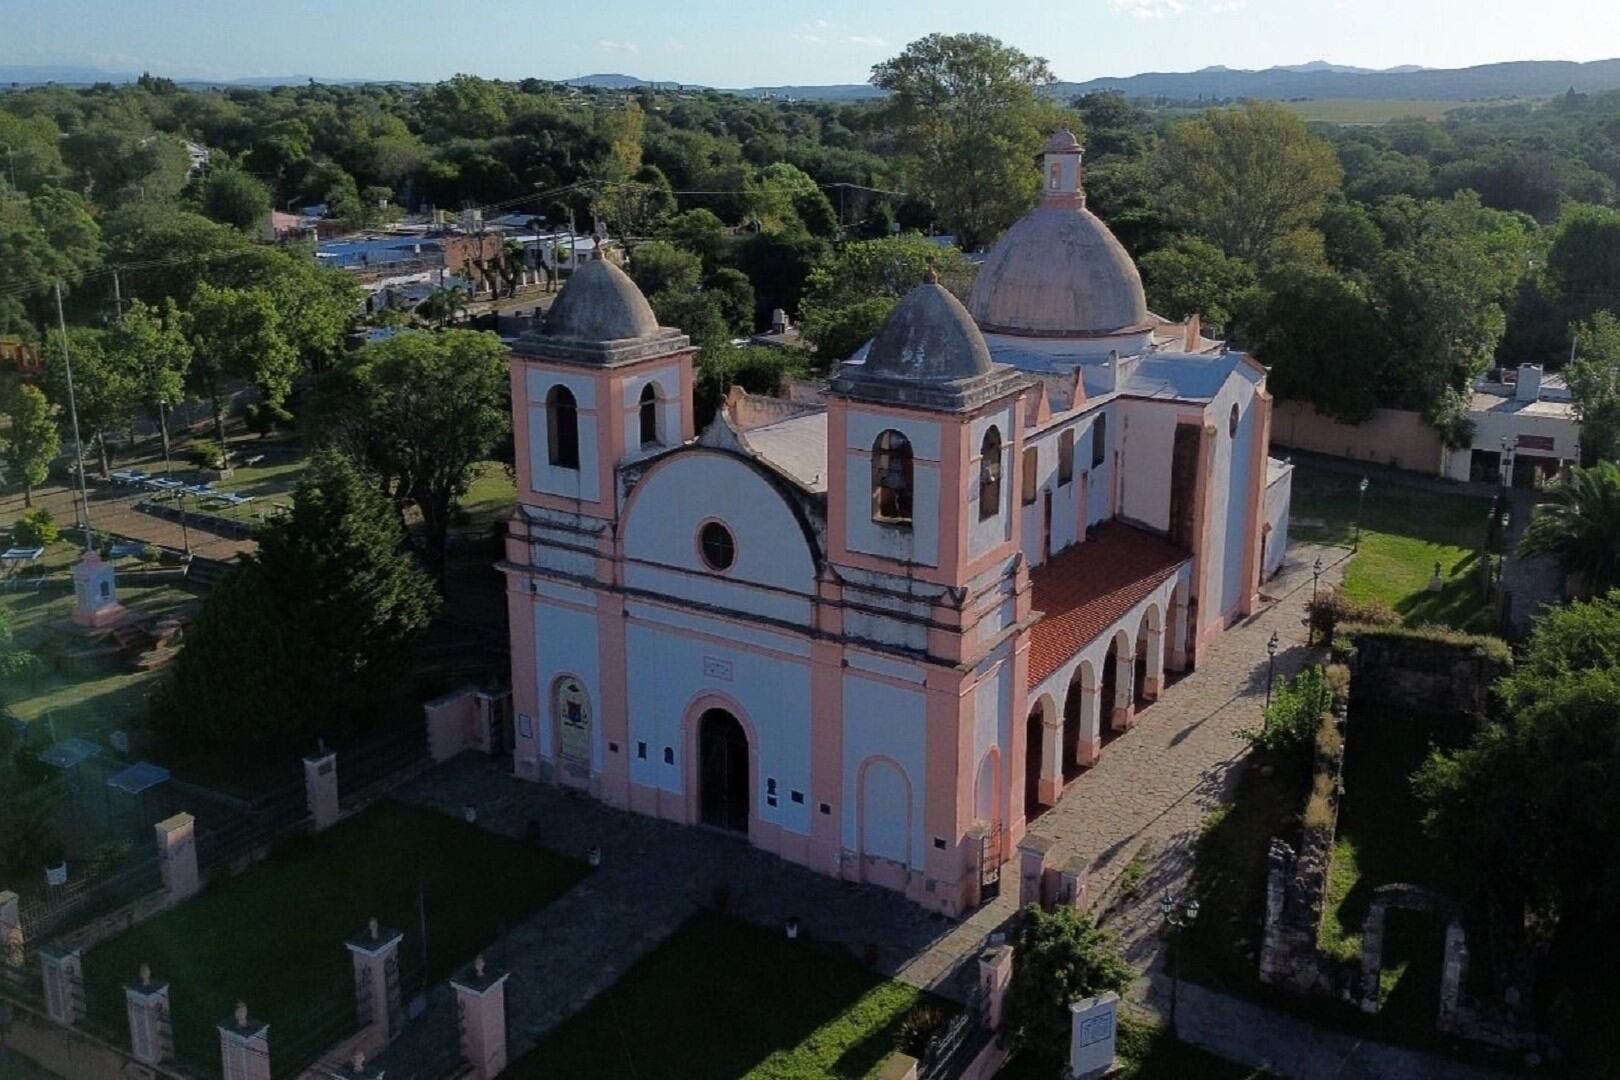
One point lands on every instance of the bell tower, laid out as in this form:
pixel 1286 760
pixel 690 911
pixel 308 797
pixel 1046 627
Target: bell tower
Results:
pixel 600 384
pixel 1063 176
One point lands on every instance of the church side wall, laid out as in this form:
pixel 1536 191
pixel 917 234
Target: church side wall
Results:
pixel 885 772
pixel 565 636
pixel 1149 441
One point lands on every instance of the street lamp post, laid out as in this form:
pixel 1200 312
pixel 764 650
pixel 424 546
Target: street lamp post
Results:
pixel 1178 916
pixel 1272 644
pixel 1361 503
pixel 1310 623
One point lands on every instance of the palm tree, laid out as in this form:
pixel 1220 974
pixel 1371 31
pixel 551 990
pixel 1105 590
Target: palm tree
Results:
pixel 1580 528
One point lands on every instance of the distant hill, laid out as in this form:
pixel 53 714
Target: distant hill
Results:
pixel 615 81
pixel 1318 80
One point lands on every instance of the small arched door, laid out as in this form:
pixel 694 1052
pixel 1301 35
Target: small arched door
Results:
pixel 722 771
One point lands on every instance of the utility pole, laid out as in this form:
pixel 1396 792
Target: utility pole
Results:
pixel 73 411
pixel 118 295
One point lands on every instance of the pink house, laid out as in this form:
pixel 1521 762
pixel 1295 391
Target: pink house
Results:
pixel 878 632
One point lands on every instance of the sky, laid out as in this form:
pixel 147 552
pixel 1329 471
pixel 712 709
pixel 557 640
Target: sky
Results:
pixel 733 43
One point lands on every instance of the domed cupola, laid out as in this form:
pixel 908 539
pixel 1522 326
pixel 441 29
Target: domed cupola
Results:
pixel 928 353
pixel 1059 272
pixel 601 317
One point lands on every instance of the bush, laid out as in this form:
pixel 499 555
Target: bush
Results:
pixel 1059 957
pixel 35 529
pixel 1297 709
pixel 1334 608
pixel 919 1029
pixel 265 417
pixel 206 454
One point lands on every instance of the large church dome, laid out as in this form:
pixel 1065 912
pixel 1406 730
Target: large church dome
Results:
pixel 599 302
pixel 1059 272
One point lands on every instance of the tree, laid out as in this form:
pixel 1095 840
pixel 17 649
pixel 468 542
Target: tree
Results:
pixel 1191 276
pixel 1322 338
pixel 30 443
pixel 1584 261
pixel 734 294
pixel 1523 819
pixel 853 288
pixel 968 122
pixel 153 350
pixel 758 369
pixel 701 233
pixel 1594 383
pixel 310 636
pixel 658 266
pixel 236 333
pixel 101 384
pixel 1058 958
pixel 418 412
pixel 1580 527
pixel 1450 267
pixel 236 198
pixel 1245 178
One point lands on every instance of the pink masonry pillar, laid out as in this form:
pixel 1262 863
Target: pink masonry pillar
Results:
pixel 1124 703
pixel 244 1046
pixel 1072 888
pixel 1049 787
pixel 375 951
pixel 481 1002
pixel 147 1001
pixel 995 976
pixel 1033 854
pixel 63 971
pixel 177 847
pixel 321 789
pixel 11 934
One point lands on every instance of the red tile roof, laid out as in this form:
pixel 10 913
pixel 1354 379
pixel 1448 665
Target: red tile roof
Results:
pixel 1090 586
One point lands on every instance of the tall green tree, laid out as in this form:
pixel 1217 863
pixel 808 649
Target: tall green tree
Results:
pixel 31 442
pixel 1524 818
pixel 967 118
pixel 236 334
pixel 851 291
pixel 1246 178
pixel 1580 527
pixel 153 350
pixel 236 198
pixel 102 385
pixel 1584 261
pixel 418 412
pixel 312 635
pixel 1191 276
pixel 1594 383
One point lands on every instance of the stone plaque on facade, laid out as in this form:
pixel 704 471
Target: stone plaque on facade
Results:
pixel 573 729
pixel 1091 1035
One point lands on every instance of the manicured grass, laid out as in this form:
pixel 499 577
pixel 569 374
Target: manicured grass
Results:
pixel 1405 531
pixel 492 495
pixel 1229 878
pixel 1142 1051
pixel 274 935
pixel 723 999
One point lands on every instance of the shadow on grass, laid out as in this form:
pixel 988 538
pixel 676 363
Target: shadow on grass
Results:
pixel 1229 877
pixel 722 998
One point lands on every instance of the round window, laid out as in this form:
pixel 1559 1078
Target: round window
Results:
pixel 717 545
pixel 1232 423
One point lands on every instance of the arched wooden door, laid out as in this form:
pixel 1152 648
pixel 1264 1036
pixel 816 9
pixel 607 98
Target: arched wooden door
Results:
pixel 723 786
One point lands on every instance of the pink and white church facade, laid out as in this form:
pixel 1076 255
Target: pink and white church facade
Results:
pixel 876 629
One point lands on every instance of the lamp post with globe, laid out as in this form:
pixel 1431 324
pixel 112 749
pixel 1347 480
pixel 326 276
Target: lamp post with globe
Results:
pixel 1178 916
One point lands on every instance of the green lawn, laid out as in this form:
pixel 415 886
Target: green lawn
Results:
pixel 1405 531
pixel 274 935
pixel 723 999
pixel 1142 1051
pixel 492 494
pixel 92 702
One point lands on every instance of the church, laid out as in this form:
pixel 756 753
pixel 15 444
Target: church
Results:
pixel 877 628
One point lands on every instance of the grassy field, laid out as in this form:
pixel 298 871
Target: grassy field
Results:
pixel 492 494
pixel 273 936
pixel 1405 531
pixel 724 999
pixel 1368 112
